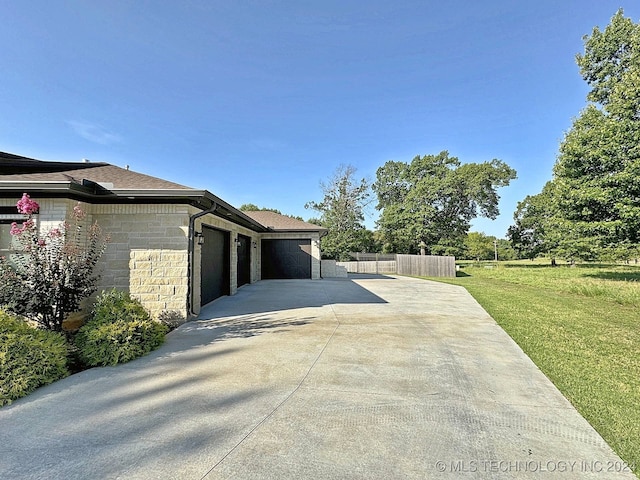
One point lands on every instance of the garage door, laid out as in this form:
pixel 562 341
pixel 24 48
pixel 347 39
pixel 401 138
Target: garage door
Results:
pixel 214 274
pixel 286 258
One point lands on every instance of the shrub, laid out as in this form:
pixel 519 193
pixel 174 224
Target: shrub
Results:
pixel 119 330
pixel 50 274
pixel 171 318
pixel 29 358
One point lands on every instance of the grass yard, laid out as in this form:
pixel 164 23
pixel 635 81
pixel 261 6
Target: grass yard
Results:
pixel 581 326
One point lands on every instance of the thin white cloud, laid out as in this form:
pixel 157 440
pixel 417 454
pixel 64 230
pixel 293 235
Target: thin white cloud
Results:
pixel 94 133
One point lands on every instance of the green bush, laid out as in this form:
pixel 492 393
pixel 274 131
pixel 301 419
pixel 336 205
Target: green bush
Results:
pixel 119 330
pixel 29 358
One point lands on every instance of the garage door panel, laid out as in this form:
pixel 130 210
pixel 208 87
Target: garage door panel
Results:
pixel 286 258
pixel 214 277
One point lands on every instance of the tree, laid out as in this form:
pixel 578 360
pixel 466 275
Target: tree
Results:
pixel 532 233
pixel 369 241
pixel 51 273
pixel 591 207
pixel 342 212
pixel 610 59
pixel 479 246
pixel 250 207
pixel 505 250
pixel 433 200
pixel 597 172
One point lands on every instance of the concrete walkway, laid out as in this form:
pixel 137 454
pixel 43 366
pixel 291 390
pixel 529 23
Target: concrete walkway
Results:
pixel 369 378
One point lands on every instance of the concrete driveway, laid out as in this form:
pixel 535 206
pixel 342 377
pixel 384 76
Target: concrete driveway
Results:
pixel 367 378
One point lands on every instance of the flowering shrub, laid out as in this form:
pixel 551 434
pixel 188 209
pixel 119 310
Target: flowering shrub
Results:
pixel 51 273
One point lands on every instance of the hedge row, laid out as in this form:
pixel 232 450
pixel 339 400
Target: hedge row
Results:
pixel 29 358
pixel 119 330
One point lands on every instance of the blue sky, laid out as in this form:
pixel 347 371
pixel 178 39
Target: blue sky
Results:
pixel 259 101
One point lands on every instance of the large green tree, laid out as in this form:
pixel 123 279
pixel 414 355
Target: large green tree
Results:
pixel 342 212
pixel 479 246
pixel 433 199
pixel 541 228
pixel 536 224
pixel 597 172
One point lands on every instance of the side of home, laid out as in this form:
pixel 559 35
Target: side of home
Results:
pixel 173 247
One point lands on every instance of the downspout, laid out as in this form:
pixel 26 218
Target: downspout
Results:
pixel 324 234
pixel 191 249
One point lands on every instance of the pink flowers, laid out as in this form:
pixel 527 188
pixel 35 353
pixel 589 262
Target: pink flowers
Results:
pixel 26 206
pixel 28 232
pixel 54 267
pixel 16 230
pixel 78 213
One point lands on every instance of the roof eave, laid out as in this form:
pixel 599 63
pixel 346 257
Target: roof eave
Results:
pixel 297 230
pixel 229 212
pixel 202 199
pixel 44 187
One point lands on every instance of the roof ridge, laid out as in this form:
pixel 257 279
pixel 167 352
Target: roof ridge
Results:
pixel 280 221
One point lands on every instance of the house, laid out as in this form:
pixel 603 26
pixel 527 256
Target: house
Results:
pixel 173 247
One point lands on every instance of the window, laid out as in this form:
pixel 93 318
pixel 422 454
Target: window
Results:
pixel 8 243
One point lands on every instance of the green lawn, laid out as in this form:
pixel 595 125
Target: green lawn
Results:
pixel 581 326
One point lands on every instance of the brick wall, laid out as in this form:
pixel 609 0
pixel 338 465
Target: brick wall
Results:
pixel 147 253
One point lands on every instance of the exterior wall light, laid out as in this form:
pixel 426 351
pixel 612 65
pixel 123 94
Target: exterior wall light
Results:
pixel 199 237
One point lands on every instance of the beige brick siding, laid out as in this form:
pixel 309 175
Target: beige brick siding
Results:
pixel 147 254
pixel 52 211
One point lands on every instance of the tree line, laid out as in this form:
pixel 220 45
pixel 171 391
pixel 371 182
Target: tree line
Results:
pixel 589 210
pixel 427 204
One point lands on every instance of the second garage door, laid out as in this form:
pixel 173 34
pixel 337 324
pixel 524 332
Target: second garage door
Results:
pixel 286 258
pixel 215 265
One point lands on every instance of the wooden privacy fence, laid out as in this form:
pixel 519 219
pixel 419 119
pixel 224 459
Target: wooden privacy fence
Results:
pixel 426 265
pixel 370 266
pixel 416 265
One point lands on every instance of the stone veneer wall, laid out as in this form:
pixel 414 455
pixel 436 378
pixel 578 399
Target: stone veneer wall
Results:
pixel 147 254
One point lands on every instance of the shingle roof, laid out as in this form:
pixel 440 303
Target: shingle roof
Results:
pixel 14 168
pixel 275 221
pixel 121 184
